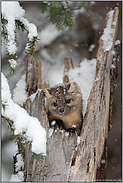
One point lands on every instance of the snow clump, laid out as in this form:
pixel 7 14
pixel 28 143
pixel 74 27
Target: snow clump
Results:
pixel 13 63
pixel 20 94
pixel 12 11
pixel 107 35
pixel 84 76
pixel 22 122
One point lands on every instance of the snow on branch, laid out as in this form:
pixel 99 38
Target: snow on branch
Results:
pixel 19 93
pixel 24 124
pixel 12 19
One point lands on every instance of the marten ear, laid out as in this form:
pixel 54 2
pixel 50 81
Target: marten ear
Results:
pixel 74 88
pixel 47 94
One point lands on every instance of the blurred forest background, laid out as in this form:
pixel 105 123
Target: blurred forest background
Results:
pixel 54 45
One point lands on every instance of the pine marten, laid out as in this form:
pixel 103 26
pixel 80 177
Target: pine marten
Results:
pixel 64 105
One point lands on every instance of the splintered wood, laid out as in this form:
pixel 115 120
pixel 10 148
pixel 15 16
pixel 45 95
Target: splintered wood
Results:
pixel 113 85
pixel 62 149
pixel 60 144
pixel 68 64
pixel 33 75
pixel 114 25
pixel 95 126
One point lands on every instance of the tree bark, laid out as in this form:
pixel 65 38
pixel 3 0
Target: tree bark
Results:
pixel 60 145
pixel 94 134
pixel 68 64
pixel 63 150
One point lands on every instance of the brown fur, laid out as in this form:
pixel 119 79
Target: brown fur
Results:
pixel 64 103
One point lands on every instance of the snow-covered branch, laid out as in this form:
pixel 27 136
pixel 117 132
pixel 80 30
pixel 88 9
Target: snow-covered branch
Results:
pixel 24 124
pixel 12 19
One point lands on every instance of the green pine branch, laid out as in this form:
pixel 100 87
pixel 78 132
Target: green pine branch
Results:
pixel 18 138
pixel 58 13
pixel 21 140
pixel 20 25
pixel 4 39
pixel 31 46
pixel 4 34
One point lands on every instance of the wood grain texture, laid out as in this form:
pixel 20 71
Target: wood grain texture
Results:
pixel 62 146
pixel 33 75
pixel 68 64
pixel 95 125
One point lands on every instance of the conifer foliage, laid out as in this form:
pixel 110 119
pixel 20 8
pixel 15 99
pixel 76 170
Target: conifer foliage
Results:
pixel 12 20
pixel 59 13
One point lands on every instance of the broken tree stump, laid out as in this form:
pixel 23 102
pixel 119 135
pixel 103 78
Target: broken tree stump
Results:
pixel 60 144
pixel 94 134
pixel 89 151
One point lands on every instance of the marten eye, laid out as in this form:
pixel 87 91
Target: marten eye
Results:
pixel 68 101
pixel 55 104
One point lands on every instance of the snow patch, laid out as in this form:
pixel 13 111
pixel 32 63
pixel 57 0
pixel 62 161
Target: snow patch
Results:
pixel 71 173
pixel 53 122
pixel 50 132
pixel 103 161
pixel 19 177
pixel 113 66
pixel 73 126
pixel 20 94
pixel 62 131
pixel 5 94
pixel 13 63
pixel 11 11
pixel 78 140
pixel 92 46
pixel 66 133
pixel 117 42
pixel 31 28
pixel 84 76
pixel 19 162
pixel 32 97
pixel 107 35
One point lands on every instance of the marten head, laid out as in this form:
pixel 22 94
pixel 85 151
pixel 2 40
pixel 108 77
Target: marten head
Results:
pixel 63 99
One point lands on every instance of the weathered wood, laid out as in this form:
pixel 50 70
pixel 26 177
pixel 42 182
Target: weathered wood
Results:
pixel 113 85
pixel 33 75
pixel 101 169
pixel 59 157
pixel 95 125
pixel 35 108
pixel 62 146
pixel 68 64
pixel 45 85
pixel 100 53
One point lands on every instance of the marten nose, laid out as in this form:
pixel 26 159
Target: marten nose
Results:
pixel 61 109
